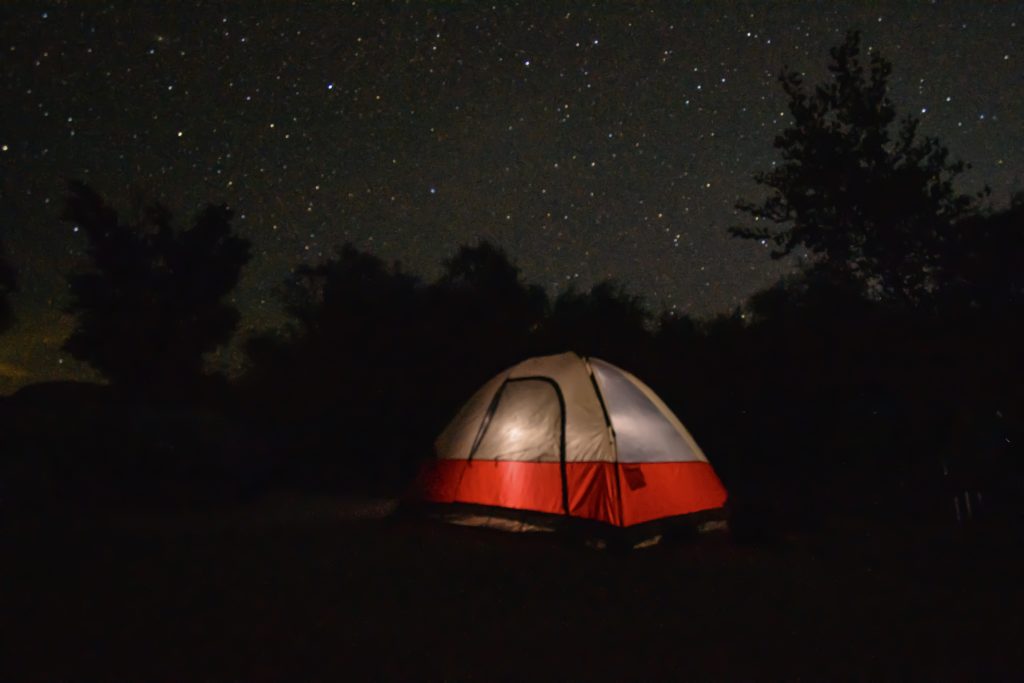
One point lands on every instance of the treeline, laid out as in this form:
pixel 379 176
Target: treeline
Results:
pixel 884 375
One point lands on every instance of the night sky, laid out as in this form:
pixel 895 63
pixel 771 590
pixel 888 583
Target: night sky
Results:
pixel 591 140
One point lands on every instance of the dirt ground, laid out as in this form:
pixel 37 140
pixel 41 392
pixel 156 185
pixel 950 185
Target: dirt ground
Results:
pixel 300 593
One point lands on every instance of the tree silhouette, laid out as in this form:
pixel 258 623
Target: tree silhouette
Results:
pixel 7 285
pixel 482 312
pixel 870 205
pixel 351 366
pixel 154 303
pixel 984 266
pixel 377 361
pixel 351 287
pixel 348 315
pixel 606 321
pixel 485 277
pixel 813 293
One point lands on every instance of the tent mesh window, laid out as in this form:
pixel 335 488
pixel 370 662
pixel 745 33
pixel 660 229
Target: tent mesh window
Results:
pixel 525 426
pixel 642 433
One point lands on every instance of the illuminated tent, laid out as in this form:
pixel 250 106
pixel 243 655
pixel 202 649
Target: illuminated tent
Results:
pixel 569 436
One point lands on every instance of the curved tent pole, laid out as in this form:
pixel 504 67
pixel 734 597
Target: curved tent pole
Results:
pixel 611 432
pixel 604 410
pixel 561 437
pixel 486 421
pixel 483 428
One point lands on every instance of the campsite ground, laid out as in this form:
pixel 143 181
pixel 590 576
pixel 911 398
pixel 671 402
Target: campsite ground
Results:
pixel 298 591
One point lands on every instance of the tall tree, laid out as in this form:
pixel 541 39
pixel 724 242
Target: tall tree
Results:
pixel 154 302
pixel 984 267
pixel 349 313
pixel 484 274
pixel 328 298
pixel 606 321
pixel 352 365
pixel 872 202
pixel 352 320
pixel 483 310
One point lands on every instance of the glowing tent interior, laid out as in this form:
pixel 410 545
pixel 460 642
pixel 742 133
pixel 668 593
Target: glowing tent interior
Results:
pixel 570 436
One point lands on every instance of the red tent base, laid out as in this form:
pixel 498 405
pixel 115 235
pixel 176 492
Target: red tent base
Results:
pixel 620 494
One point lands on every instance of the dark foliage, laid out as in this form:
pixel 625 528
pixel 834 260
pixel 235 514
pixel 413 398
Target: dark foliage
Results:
pixel 376 361
pixel 339 386
pixel 983 267
pixel 607 322
pixel 891 350
pixel 73 447
pixel 154 302
pixel 483 313
pixel 872 205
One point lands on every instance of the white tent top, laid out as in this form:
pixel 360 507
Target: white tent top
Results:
pixel 518 416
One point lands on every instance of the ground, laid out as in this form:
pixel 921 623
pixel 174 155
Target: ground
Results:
pixel 300 591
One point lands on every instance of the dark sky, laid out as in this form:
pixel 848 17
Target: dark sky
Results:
pixel 592 140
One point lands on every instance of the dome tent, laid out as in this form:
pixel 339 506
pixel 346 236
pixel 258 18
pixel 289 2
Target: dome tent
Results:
pixel 571 437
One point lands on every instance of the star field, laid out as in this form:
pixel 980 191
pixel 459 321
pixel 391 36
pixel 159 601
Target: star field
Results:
pixel 591 140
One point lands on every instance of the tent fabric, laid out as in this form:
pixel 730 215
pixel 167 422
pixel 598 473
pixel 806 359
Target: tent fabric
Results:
pixel 564 435
pixel 645 429
pixel 526 424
